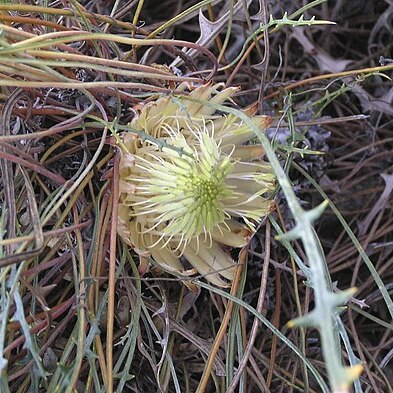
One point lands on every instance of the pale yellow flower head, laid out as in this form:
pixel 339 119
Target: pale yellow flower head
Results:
pixel 194 188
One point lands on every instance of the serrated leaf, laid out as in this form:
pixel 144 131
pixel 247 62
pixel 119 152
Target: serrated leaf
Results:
pixel 308 320
pixel 293 234
pixel 341 298
pixel 316 212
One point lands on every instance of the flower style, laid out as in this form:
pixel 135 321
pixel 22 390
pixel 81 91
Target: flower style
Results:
pixel 198 191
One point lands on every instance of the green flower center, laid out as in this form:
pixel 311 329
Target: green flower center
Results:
pixel 204 191
pixel 181 196
pixel 197 194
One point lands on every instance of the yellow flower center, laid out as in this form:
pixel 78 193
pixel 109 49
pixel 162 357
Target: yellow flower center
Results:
pixel 192 197
pixel 182 194
pixel 202 191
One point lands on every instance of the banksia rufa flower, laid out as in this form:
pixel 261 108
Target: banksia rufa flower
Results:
pixel 192 186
